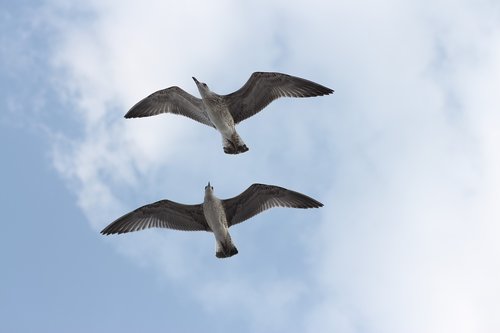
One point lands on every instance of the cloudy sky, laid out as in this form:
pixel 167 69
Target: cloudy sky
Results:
pixel 404 155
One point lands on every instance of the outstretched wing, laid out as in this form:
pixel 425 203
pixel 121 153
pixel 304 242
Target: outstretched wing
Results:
pixel 161 214
pixel 262 88
pixel 171 100
pixel 259 197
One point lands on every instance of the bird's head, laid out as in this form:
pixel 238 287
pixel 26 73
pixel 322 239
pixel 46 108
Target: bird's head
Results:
pixel 209 188
pixel 202 88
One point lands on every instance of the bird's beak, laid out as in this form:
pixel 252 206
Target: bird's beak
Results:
pixel 208 184
pixel 196 81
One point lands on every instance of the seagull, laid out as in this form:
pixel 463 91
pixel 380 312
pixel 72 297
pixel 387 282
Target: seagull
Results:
pixel 223 112
pixel 213 215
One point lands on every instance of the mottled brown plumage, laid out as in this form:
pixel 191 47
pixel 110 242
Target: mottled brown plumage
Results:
pixel 213 214
pixel 223 112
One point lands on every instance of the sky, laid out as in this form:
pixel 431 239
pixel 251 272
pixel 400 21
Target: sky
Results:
pixel 404 156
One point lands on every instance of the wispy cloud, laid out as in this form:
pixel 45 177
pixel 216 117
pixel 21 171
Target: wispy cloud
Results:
pixel 405 155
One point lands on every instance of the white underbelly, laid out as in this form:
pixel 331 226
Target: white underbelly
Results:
pixel 216 219
pixel 222 120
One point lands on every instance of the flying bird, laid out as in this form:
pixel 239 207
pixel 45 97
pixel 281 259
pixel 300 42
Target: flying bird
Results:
pixel 213 215
pixel 223 112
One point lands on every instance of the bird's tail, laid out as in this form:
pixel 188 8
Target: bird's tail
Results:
pixel 235 144
pixel 225 249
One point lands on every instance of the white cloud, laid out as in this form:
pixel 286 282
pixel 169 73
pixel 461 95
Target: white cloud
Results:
pixel 409 244
pixel 405 155
pixel 266 306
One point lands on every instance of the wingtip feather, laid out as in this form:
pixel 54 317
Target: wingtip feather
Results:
pixel 105 232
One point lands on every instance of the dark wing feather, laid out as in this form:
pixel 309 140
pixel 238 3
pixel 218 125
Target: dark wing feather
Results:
pixel 171 100
pixel 262 88
pixel 161 214
pixel 259 197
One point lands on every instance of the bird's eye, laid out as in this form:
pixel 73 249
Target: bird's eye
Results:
pixel 205 85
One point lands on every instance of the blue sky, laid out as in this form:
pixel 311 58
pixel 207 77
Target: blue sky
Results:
pixel 404 155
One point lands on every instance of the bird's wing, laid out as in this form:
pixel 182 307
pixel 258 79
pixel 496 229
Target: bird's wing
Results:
pixel 262 88
pixel 171 100
pixel 161 214
pixel 259 197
